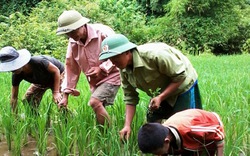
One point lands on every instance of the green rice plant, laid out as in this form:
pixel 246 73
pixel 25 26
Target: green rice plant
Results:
pixel 6 114
pixel 84 127
pixel 7 122
pixel 42 131
pixel 18 132
pixel 111 142
pixel 42 135
pixel 30 119
pixel 225 89
pixel 92 147
pixel 117 110
pixel 224 86
pixel 83 132
pixel 63 128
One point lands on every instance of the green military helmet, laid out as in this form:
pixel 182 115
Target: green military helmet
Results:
pixel 114 45
pixel 70 20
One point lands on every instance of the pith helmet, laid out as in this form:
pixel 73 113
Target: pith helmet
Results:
pixel 115 45
pixel 69 21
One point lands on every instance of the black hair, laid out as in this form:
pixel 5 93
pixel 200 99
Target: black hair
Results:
pixel 151 137
pixel 133 49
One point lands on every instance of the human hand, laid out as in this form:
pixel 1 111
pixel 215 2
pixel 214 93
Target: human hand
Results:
pixel 63 103
pixel 125 133
pixel 154 103
pixel 93 72
pixel 57 97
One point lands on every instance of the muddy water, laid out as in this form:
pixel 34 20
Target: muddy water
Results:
pixel 29 148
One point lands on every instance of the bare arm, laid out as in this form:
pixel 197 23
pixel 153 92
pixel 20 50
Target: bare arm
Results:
pixel 13 100
pixel 130 112
pixel 220 149
pixel 56 74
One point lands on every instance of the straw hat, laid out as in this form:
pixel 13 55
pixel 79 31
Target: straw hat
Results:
pixel 11 59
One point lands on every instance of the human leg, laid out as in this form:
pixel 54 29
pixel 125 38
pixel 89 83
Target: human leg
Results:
pixel 33 96
pixel 103 95
pixel 101 114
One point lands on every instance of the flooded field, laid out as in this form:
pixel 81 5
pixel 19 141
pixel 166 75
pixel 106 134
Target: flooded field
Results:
pixel 29 148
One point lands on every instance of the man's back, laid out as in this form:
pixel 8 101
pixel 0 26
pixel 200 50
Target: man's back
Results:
pixel 197 129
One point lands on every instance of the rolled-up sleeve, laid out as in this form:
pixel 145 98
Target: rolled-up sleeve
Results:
pixel 72 73
pixel 131 96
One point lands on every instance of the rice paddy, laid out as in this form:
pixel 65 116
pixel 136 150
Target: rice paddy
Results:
pixel 224 82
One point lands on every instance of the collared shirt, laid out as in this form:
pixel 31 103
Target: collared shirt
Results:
pixel 81 57
pixel 196 130
pixel 155 66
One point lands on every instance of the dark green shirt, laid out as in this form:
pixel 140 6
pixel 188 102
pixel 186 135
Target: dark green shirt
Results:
pixel 155 66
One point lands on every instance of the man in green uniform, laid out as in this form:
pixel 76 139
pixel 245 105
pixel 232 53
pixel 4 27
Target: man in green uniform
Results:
pixel 158 69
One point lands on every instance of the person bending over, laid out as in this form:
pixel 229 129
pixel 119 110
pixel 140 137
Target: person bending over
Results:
pixel 43 72
pixel 82 57
pixel 192 132
pixel 158 69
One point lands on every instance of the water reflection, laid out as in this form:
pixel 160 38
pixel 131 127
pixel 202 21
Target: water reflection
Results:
pixel 29 149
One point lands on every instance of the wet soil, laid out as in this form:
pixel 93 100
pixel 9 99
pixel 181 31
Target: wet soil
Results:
pixel 29 149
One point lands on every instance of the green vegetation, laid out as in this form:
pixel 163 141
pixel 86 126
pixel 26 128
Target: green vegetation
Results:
pixel 220 27
pixel 195 27
pixel 225 89
pixel 11 6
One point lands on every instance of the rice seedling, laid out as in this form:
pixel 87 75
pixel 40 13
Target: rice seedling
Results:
pixel 84 129
pixel 18 133
pixel 63 130
pixel 42 123
pixel 7 123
